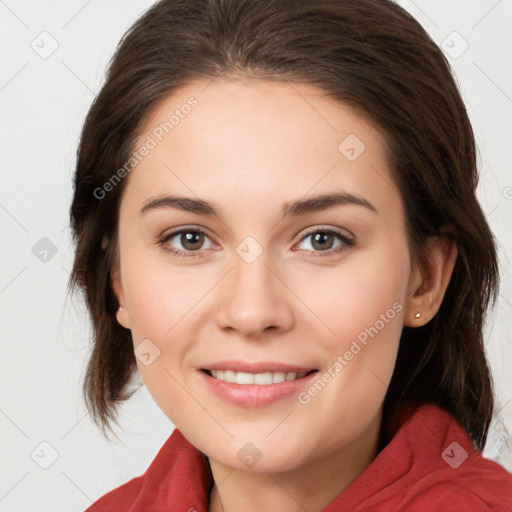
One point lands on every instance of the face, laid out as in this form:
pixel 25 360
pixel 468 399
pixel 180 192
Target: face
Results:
pixel 264 283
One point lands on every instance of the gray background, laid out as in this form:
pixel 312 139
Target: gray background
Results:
pixel 44 98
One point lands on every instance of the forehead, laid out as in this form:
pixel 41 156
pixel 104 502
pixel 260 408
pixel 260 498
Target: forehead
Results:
pixel 259 137
pixel 269 111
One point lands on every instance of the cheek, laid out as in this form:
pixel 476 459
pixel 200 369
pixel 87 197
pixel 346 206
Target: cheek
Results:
pixel 368 292
pixel 161 297
pixel 363 308
pixel 164 304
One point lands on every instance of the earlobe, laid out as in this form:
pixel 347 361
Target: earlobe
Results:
pixel 122 313
pixel 122 317
pixel 426 298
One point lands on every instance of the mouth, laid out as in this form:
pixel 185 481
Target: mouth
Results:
pixel 252 384
pixel 259 379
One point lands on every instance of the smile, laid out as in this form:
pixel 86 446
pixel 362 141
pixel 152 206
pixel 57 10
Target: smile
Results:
pixel 261 379
pixel 258 388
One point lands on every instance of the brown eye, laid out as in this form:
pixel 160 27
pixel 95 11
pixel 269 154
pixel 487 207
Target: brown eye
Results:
pixel 191 240
pixel 322 241
pixel 326 241
pixel 185 242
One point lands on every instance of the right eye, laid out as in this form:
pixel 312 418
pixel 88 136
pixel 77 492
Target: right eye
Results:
pixel 190 239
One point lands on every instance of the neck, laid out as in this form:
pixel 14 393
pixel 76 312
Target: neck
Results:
pixel 311 487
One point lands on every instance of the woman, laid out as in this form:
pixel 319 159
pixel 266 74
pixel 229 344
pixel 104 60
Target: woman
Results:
pixel 276 223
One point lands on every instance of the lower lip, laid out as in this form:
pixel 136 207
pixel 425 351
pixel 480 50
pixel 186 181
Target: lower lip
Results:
pixel 254 395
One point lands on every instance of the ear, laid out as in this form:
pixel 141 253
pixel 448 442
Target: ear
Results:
pixel 122 314
pixel 427 286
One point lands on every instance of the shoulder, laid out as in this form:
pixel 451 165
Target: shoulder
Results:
pixel 441 468
pixel 482 485
pixel 179 474
pixel 120 498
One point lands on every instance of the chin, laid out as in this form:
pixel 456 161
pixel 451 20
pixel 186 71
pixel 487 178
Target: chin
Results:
pixel 258 456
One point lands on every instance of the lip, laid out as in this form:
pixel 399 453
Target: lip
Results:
pixel 256 367
pixel 254 395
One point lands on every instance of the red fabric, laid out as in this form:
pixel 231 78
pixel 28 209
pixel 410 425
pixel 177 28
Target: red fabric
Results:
pixel 415 472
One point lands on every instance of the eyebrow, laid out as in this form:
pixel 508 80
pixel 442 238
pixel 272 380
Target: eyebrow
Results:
pixel 294 208
pixel 325 201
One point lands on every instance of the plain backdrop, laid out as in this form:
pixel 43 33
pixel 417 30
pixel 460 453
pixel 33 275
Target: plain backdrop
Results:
pixel 53 57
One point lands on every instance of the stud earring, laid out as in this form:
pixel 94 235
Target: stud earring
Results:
pixel 417 315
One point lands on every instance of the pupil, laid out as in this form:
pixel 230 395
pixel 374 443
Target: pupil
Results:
pixel 190 240
pixel 321 237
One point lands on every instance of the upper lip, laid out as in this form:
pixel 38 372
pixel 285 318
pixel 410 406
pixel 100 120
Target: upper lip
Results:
pixel 256 367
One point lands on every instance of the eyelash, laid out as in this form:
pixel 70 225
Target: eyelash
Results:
pixel 347 243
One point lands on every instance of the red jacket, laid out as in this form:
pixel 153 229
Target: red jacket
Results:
pixel 430 464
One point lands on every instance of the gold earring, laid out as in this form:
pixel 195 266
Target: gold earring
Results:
pixel 417 315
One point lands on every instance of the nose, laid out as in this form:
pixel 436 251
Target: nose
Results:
pixel 254 299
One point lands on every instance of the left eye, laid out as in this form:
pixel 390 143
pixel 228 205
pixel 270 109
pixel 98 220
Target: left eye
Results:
pixel 324 241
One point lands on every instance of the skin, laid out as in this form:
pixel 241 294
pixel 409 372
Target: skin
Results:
pixel 249 147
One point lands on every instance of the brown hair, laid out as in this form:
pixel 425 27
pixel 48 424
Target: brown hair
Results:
pixel 369 54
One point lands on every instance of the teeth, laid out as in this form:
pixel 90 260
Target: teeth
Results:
pixel 244 378
pixel 261 379
pixel 229 376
